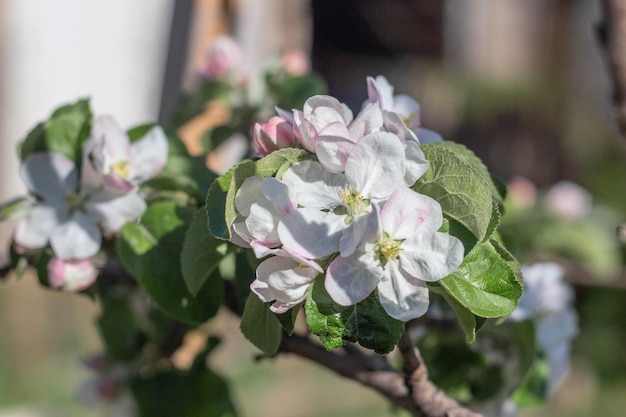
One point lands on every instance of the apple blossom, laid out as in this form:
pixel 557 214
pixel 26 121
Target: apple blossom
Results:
pixel 71 275
pixel 69 211
pixel 119 162
pixel 568 200
pixel 334 206
pixel 223 57
pixel 398 257
pixel 276 134
pixel 547 300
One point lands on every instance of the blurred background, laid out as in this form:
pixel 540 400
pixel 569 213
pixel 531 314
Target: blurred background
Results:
pixel 521 83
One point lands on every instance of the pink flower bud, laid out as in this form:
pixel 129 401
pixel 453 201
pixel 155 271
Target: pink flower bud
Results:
pixel 71 275
pixel 522 192
pixel 276 134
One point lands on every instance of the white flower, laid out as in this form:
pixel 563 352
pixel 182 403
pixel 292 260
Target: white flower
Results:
pixel 284 279
pixel 71 275
pixel 68 213
pixel 403 253
pixel 547 300
pixel 569 201
pixel 120 163
pixel 334 206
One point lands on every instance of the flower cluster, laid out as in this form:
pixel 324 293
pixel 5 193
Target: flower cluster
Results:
pixel 73 205
pixel 347 212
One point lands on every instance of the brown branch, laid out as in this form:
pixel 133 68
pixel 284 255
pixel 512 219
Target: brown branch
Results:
pixel 612 38
pixel 413 392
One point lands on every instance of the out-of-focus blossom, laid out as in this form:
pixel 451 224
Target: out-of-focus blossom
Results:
pixel 223 58
pixel 276 134
pixel 547 300
pixel 120 163
pixel 569 201
pixel 69 211
pixel 71 275
pixel 522 192
pixel 295 62
pixel 107 390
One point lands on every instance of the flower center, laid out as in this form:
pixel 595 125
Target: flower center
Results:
pixel 72 200
pixel 409 120
pixel 354 204
pixel 121 168
pixel 388 250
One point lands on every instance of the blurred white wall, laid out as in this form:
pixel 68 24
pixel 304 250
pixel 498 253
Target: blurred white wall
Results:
pixel 55 52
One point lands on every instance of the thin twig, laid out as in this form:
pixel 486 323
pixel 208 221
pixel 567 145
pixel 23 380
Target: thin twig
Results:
pixel 413 392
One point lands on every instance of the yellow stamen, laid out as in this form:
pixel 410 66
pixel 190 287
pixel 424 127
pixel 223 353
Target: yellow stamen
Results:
pixel 121 168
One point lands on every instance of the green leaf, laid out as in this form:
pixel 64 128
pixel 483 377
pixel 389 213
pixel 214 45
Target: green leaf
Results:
pixel 151 251
pixel 174 393
pixel 195 103
pixel 365 322
pixel 260 326
pixel 292 92
pixel 288 319
pixel 216 206
pixel 460 183
pixel 201 253
pixel 467 320
pixel 179 162
pixel 15 208
pixel 63 133
pixel 117 326
pixel 213 138
pixel 534 389
pixel 484 283
pixel 171 181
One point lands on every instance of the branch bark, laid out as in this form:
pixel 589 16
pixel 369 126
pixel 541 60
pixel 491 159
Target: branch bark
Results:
pixel 612 38
pixel 412 390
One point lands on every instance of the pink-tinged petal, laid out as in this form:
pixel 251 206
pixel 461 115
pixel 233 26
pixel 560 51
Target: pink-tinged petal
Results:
pixel 72 275
pixel 50 175
pixel 394 124
pixel 313 186
pixel 34 231
pixel 110 142
pixel 283 280
pixel 288 116
pixel 415 162
pixel 407 213
pixel 379 90
pixel 431 258
pixel 277 192
pixel 148 155
pixel 408 109
pixel 333 152
pixel 77 238
pixel 369 120
pixel 376 166
pixel 305 132
pixel 261 251
pixel 402 298
pixel 350 280
pixel 114 210
pixel 427 136
pixel 335 129
pixel 311 233
pixel 322 110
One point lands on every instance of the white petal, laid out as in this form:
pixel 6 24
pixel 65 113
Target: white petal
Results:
pixel 250 192
pixel 313 186
pixel 408 109
pixel 311 233
pixel 350 280
pixel 77 238
pixel 431 258
pixel 277 192
pixel 403 299
pixel 50 175
pixel 72 275
pixel 113 210
pixel 111 142
pixel 362 229
pixel 333 152
pixel 148 155
pixel 34 231
pixel 262 222
pixel 376 166
pixel 381 91
pixel 416 163
pixel 427 136
pixel 407 213
pixel 394 124
pixel 369 120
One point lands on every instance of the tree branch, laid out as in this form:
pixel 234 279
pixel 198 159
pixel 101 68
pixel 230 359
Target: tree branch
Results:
pixel 413 392
pixel 612 38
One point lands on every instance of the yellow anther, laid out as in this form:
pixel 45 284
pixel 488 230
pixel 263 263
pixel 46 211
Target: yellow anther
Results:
pixel 121 168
